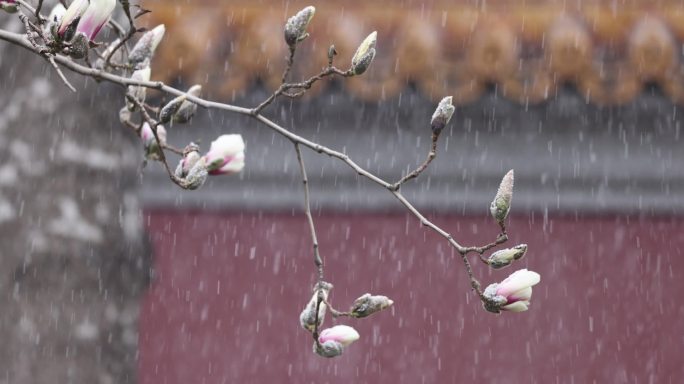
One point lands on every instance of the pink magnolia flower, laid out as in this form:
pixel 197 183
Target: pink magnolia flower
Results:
pixel 226 155
pixel 95 16
pixel 342 334
pixel 73 13
pixel 513 294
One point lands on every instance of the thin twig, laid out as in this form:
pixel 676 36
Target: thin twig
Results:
pixel 37 12
pixel 131 31
pixel 304 85
pixel 290 61
pixel 431 156
pixel 51 59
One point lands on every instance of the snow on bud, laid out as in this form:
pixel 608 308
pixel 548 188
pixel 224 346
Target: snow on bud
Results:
pixel 95 17
pixel 513 294
pixel 501 204
pixel 307 319
pixel 226 155
pixel 138 91
pixel 152 147
pixel 442 115
pixel 68 22
pixel 505 257
pixel 143 51
pixel 365 54
pixel 342 334
pixel 367 305
pixel 180 110
pixel 192 169
pixel 295 28
pixel 78 47
pixel 328 349
pixel 124 115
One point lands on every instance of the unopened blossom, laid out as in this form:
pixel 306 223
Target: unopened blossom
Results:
pixel 180 110
pixel 143 51
pixel 9 6
pixel 152 147
pixel 513 294
pixel 226 155
pixel 445 109
pixel 192 169
pixel 365 54
pixel 138 91
pixel 342 334
pixel 95 17
pixel 307 318
pixel 501 204
pixel 504 257
pixel 71 17
pixel 295 28
pixel 367 305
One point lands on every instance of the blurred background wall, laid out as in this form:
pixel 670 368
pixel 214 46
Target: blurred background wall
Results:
pixel 582 99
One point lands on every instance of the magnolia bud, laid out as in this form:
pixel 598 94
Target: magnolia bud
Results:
pixel 505 257
pixel 78 47
pixel 307 319
pixel 180 110
pixel 192 168
pixel 328 349
pixel 364 54
pixel 190 156
pixel 188 108
pixel 143 51
pixel 367 305
pixel 197 175
pixel 9 6
pixel 95 17
pixel 513 294
pixel 342 334
pixel 138 91
pixel 152 147
pixel 295 28
pixel 442 115
pixel 501 204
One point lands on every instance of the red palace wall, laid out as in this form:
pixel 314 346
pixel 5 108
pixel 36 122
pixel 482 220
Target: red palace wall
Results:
pixel 228 289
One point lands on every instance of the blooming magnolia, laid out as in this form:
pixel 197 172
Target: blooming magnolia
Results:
pixel 342 334
pixel 95 16
pixel 513 294
pixel 226 155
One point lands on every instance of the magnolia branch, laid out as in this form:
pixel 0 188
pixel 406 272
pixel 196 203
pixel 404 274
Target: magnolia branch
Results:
pixel 101 75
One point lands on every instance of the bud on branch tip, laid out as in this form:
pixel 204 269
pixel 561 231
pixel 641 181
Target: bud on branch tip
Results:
pixel 365 54
pixel 295 28
pixel 445 109
pixel 505 257
pixel 501 204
